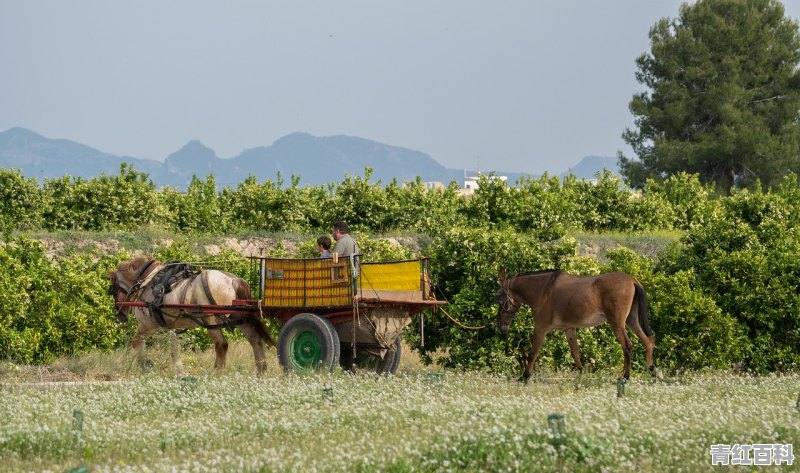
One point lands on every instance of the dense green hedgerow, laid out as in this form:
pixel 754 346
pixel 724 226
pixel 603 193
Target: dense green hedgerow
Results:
pixel 727 294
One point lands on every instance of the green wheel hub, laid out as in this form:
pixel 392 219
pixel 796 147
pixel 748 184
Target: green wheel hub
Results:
pixel 308 343
pixel 305 350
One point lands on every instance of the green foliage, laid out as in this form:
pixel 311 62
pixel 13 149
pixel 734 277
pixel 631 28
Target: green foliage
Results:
pixel 491 204
pixel 199 209
pixel 746 259
pixel 53 308
pixel 268 206
pixel 131 199
pixel 412 206
pixel 722 98
pixel 363 205
pixel 20 200
pixel 382 249
pixel 686 200
pixel 125 201
pixel 442 210
pixel 608 205
pixel 541 209
pixel 603 205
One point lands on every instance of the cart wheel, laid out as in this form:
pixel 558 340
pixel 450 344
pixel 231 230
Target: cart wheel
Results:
pixel 370 362
pixel 308 342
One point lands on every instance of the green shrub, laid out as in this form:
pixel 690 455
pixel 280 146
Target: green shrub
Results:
pixel 49 308
pixel 745 259
pixel 20 201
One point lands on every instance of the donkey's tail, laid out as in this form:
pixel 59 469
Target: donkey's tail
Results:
pixel 644 313
pixel 243 292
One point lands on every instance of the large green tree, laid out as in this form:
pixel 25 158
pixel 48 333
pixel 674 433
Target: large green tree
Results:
pixel 722 96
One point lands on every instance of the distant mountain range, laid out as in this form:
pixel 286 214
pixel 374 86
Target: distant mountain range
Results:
pixel 315 160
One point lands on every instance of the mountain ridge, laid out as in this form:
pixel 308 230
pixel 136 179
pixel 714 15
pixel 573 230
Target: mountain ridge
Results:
pixel 315 160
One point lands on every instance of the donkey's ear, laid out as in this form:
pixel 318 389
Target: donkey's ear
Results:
pixel 502 278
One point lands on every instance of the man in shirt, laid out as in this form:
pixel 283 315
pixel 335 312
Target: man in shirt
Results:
pixel 346 246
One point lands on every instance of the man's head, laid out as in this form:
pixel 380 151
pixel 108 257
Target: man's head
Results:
pixel 340 229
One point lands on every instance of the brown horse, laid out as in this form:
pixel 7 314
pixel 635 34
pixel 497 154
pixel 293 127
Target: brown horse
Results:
pixel 564 301
pixel 143 280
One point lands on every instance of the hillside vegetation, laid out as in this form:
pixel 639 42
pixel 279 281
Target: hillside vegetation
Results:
pixel 722 272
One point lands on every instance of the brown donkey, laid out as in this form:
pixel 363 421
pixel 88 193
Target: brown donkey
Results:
pixel 567 302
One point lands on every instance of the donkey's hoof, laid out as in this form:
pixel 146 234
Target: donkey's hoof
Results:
pixel 524 379
pixel 657 373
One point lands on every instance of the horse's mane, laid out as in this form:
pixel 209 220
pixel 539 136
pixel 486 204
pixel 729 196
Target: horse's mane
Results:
pixel 555 274
pixel 131 268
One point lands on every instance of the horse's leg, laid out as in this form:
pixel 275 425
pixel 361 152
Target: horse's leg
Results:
pixel 137 343
pixel 627 347
pixel 258 348
pixel 220 347
pixel 572 338
pixel 536 345
pixel 175 353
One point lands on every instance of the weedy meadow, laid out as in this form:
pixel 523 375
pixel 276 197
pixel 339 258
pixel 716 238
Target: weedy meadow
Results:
pixel 422 419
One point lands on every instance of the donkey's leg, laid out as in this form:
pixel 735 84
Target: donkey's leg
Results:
pixel 536 345
pixel 258 347
pixel 648 342
pixel 627 347
pixel 220 347
pixel 572 338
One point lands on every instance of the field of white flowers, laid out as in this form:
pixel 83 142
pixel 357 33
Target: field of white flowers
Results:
pixel 410 422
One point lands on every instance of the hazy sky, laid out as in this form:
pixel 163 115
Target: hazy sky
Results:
pixel 526 86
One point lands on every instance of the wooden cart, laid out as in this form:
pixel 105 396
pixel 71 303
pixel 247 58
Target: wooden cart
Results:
pixel 337 311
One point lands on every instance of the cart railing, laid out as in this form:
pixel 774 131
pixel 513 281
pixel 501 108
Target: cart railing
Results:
pixel 325 282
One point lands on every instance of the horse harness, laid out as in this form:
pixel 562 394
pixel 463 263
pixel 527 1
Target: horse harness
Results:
pixel 164 280
pixel 142 279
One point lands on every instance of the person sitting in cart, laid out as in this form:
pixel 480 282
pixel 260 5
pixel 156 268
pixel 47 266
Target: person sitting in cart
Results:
pixel 324 246
pixel 346 245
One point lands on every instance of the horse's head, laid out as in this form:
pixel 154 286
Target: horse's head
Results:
pixel 507 306
pixel 124 283
pixel 116 290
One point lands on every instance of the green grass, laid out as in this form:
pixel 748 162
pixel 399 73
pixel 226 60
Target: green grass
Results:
pixel 414 421
pixel 648 244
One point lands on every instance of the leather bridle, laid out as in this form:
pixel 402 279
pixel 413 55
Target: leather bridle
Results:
pixel 130 294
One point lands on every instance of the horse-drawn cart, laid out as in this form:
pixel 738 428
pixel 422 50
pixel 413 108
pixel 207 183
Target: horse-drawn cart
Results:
pixel 339 311
pixel 331 310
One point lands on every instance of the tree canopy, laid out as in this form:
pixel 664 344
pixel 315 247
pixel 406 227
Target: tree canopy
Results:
pixel 722 98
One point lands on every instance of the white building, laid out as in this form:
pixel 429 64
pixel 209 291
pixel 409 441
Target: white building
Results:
pixel 471 182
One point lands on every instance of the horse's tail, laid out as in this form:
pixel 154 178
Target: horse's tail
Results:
pixel 243 292
pixel 644 313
